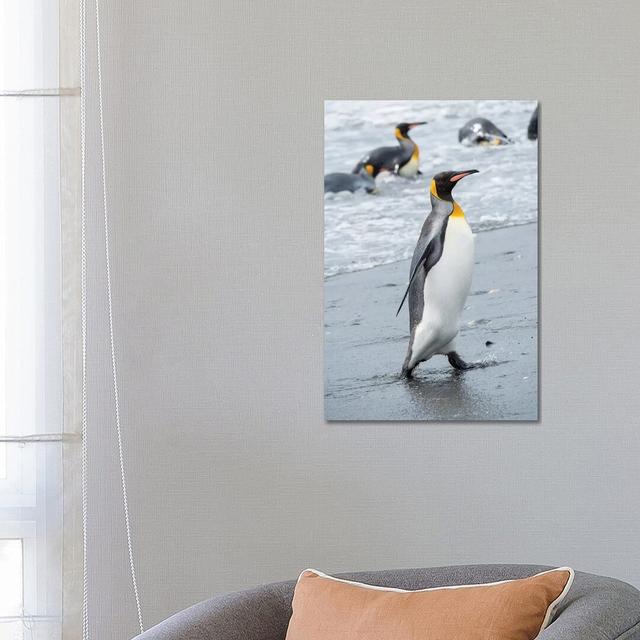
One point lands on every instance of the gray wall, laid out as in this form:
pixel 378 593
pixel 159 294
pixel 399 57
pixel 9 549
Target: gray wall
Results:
pixel 214 140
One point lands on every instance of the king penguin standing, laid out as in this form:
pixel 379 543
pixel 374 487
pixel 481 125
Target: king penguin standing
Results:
pixel 440 277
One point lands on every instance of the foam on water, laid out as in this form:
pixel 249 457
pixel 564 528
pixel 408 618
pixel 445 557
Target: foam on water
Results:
pixel 362 230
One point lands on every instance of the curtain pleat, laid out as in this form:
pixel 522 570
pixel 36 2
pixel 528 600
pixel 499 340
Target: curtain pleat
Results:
pixel 70 185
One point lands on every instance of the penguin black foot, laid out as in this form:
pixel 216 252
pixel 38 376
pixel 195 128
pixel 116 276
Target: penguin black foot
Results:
pixel 458 363
pixel 406 373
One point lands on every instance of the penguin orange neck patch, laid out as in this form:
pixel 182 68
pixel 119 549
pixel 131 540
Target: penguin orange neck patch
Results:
pixel 457 209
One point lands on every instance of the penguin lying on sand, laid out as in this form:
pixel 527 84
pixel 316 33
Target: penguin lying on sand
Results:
pixel 364 179
pixel 440 277
pixel 403 159
pixel 482 131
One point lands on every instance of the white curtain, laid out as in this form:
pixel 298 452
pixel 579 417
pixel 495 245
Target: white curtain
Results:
pixel 40 541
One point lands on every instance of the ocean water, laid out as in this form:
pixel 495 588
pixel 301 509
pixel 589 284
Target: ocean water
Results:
pixel 363 231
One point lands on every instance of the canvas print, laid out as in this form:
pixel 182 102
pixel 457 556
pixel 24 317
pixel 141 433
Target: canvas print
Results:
pixel 431 260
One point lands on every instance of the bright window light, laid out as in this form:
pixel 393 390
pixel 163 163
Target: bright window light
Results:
pixel 30 325
pixel 11 601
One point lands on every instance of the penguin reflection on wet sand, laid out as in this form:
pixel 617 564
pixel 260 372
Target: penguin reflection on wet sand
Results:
pixel 440 277
pixel 483 132
pixel 403 159
pixel 364 179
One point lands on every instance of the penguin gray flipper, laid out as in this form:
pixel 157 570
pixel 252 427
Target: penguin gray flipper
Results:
pixel 428 255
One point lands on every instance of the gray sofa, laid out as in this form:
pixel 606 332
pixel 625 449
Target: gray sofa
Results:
pixel 596 608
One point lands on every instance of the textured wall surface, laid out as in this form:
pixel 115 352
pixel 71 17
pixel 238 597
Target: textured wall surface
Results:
pixel 213 116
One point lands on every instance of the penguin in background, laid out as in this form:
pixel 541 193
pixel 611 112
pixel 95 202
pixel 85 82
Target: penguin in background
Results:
pixel 403 159
pixel 364 179
pixel 481 131
pixel 440 277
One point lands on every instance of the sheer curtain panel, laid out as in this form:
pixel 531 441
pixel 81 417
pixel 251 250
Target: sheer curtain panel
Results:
pixel 40 331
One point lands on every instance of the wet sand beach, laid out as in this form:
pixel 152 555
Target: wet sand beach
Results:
pixel 365 343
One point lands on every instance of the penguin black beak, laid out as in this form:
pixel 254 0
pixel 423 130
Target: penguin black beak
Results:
pixel 462 174
pixel 416 124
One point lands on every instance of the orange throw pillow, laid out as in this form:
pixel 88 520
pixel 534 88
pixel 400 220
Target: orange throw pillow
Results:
pixel 326 608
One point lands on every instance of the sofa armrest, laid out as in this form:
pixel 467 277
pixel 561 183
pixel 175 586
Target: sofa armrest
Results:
pixel 258 614
pixel 597 608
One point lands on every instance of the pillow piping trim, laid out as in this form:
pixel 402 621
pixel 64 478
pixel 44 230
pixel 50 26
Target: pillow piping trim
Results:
pixel 563 594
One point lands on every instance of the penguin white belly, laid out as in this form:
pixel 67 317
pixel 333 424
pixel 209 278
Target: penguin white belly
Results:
pixel 446 288
pixel 410 169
